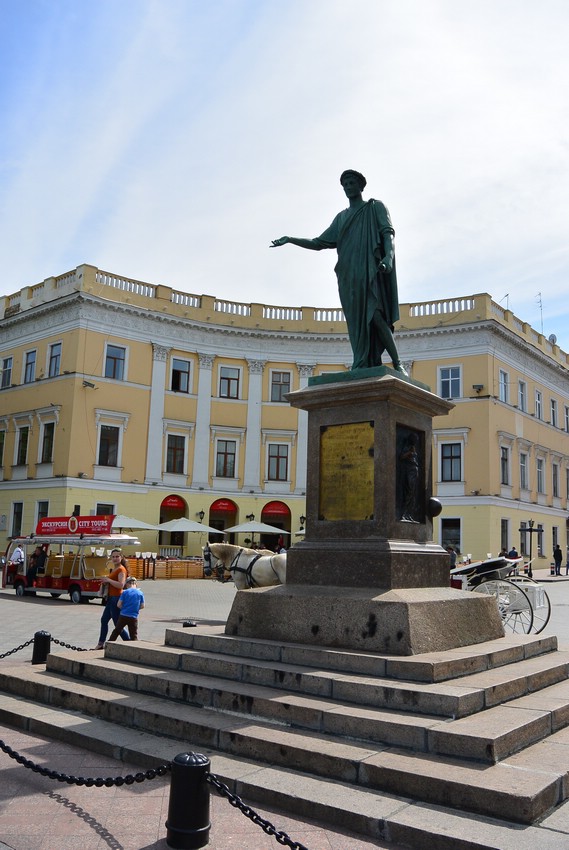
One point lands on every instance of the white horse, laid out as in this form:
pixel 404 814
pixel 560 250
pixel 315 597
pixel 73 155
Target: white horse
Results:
pixel 248 567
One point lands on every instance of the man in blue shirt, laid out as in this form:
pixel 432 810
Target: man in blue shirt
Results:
pixel 131 601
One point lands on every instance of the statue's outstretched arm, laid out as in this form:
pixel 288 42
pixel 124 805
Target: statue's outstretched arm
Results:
pixel 311 244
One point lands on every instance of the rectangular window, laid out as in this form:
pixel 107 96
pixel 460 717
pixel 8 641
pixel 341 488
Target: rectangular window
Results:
pixel 30 367
pixel 538 405
pixel 225 458
pixel 555 536
pixel 47 442
pixel 6 379
pixel 567 484
pixel 109 445
pixel 523 538
pixel 451 462
pixel 524 480
pixel 504 465
pixel 115 362
pixel 450 533
pixel 539 536
pixel 450 381
pixel 503 386
pixel 42 510
pixel 522 396
pixel 540 475
pixel 17 517
pixel 180 376
pixel 54 364
pixel 2 444
pixel 566 417
pixel 228 382
pixel 280 385
pixel 278 462
pixel 175 454
pixel 553 412
pixel 104 509
pixel 22 452
pixel 504 534
pixel 555 480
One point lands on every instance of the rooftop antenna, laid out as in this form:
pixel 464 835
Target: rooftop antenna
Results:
pixel 507 297
pixel 538 296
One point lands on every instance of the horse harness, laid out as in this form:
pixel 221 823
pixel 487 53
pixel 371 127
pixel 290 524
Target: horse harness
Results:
pixel 248 570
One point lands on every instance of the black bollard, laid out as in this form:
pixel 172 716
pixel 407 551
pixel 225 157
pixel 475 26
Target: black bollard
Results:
pixel 188 821
pixel 42 645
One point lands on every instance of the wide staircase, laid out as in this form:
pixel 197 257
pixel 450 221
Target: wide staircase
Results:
pixel 455 750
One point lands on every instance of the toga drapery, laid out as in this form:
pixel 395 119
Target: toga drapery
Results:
pixel 358 237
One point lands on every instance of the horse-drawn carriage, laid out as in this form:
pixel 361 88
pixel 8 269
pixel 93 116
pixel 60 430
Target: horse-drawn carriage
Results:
pixel 523 603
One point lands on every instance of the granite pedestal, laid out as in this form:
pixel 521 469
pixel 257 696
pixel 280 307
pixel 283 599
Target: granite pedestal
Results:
pixel 368 574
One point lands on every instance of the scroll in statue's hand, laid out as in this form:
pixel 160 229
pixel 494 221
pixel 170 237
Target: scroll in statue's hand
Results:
pixel 276 243
pixel 385 265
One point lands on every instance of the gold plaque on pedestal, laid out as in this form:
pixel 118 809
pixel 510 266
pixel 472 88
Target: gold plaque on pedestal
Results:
pixel 346 471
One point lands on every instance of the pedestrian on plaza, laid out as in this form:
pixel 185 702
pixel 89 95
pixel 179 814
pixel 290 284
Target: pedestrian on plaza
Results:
pixel 452 553
pixel 558 559
pixel 513 553
pixel 131 601
pixel 116 581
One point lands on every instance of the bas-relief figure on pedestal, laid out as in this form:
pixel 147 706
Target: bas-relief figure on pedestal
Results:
pixel 367 281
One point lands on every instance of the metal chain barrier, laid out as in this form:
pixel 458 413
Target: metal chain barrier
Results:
pixel 16 649
pixel 69 645
pixel 265 825
pixel 89 782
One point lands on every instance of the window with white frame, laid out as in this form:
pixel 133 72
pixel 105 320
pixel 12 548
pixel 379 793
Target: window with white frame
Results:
pixel 503 381
pixel 538 405
pixel 109 443
pixel 54 360
pixel 22 440
pixel 42 510
pixel 504 465
pixel 553 412
pixel 555 536
pixel 523 537
pixel 29 367
pixel 566 417
pixel 540 550
pixel 47 437
pixel 104 509
pixel 180 380
pixel 175 454
pixel 450 533
pixel 524 471
pixel 505 534
pixel 280 385
pixel 567 484
pixel 2 444
pixel 17 518
pixel 450 381
pixel 451 461
pixel 522 396
pixel 6 377
pixel 540 477
pixel 277 462
pixel 555 480
pixel 229 379
pixel 225 454
pixel 115 362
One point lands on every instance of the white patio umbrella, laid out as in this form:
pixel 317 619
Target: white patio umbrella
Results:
pixel 122 521
pixel 183 524
pixel 255 528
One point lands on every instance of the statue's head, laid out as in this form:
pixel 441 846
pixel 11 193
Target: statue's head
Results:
pixel 351 173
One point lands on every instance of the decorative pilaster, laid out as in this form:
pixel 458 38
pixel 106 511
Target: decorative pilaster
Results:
pixel 305 371
pixel 251 479
pixel 200 478
pixel 156 413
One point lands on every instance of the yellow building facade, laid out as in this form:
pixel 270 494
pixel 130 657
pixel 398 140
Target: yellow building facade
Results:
pixel 127 397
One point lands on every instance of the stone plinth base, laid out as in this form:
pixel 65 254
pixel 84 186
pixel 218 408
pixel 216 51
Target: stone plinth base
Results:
pixel 394 622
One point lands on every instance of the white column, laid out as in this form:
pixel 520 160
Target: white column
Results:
pixel 251 479
pixel 156 413
pixel 305 370
pixel 203 418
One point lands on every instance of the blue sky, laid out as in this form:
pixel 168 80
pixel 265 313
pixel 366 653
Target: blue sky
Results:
pixel 171 140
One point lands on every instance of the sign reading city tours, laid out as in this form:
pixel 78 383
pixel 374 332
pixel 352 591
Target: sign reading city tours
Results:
pixel 346 471
pixel 89 525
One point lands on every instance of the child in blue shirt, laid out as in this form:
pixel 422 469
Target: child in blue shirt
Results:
pixel 131 601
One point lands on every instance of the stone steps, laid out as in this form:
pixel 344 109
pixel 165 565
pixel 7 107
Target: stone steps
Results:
pixel 488 736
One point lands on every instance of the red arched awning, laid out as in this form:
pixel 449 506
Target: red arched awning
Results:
pixel 223 506
pixel 276 509
pixel 173 502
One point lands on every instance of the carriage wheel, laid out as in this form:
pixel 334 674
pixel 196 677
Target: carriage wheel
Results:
pixel 542 604
pixel 513 604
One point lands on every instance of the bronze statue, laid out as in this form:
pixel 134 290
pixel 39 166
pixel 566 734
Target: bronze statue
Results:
pixel 367 281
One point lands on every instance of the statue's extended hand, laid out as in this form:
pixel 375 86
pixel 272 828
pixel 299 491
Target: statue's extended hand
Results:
pixel 276 243
pixel 385 265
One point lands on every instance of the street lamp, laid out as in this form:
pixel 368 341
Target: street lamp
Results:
pixel 302 521
pixel 201 515
pixel 250 517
